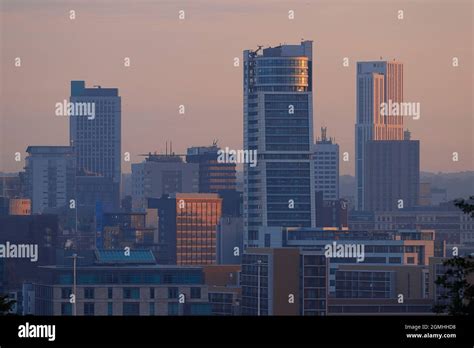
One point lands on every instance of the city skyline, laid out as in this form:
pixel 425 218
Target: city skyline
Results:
pixel 201 158
pixel 150 111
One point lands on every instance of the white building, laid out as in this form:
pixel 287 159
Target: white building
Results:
pixel 50 173
pixel 326 167
pixel 278 125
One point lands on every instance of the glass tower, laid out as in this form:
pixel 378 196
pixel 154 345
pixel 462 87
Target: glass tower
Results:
pixel 97 141
pixel 278 124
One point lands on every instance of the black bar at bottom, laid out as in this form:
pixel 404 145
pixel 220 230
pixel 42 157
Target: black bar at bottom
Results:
pixel 383 331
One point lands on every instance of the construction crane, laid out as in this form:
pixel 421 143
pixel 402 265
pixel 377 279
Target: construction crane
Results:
pixel 253 54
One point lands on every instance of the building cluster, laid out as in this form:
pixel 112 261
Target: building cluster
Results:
pixel 178 236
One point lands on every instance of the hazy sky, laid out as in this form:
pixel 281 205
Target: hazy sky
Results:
pixel 190 62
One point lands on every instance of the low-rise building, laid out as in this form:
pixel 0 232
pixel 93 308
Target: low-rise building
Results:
pixel 115 283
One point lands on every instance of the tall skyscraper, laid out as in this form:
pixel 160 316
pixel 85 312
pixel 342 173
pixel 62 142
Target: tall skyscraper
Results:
pixel 50 176
pixel 326 167
pixel 377 82
pixel 96 138
pixel 278 125
pixel 213 176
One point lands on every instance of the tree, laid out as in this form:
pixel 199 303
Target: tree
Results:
pixel 6 305
pixel 467 206
pixel 459 288
pixel 459 291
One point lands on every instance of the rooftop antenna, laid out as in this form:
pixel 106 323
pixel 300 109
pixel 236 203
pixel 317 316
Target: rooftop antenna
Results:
pixel 171 147
pixel 98 86
pixel 323 133
pixel 166 153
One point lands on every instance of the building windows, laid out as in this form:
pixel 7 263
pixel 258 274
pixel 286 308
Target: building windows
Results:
pixel 201 309
pixel 195 292
pixel 66 293
pixel 109 293
pixel 110 307
pixel 89 308
pixel 152 308
pixel 152 293
pixel 89 293
pixel 173 308
pixel 267 240
pixel 131 308
pixel 173 292
pixel 131 293
pixel 66 308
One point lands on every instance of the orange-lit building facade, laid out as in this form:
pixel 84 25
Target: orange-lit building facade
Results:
pixel 187 227
pixel 214 176
pixel 197 216
pixel 20 206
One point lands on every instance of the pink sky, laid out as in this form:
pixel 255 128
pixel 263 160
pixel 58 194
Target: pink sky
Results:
pixel 190 62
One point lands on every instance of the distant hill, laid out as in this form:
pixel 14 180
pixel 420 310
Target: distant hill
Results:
pixel 457 184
